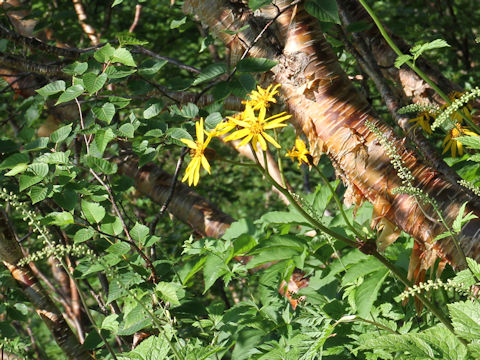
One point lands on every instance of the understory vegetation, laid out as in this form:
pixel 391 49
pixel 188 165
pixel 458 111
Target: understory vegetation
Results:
pixel 172 188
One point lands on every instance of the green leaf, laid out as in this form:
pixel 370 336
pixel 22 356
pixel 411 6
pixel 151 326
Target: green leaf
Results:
pixel 61 134
pixel 210 72
pixel 119 248
pixel 402 59
pixel 83 235
pixel 461 220
pixel 101 165
pixel 235 32
pixel 179 133
pixel 466 319
pixel 14 160
pixel 278 247
pixel 71 93
pixel 155 347
pixel 257 4
pixel 94 83
pixel 39 169
pixel 255 65
pixel 153 110
pixel 360 269
pixel 214 268
pixel 323 10
pixel 37 144
pixel 126 130
pixel 58 218
pixel 52 88
pixel 105 113
pixel 104 54
pixel 93 212
pixel 58 157
pixel 168 292
pixel 151 67
pixel 123 56
pixel 367 292
pixel 177 23
pixel 117 2
pixel 188 111
pixel 27 180
pixel 420 49
pixel 102 138
pixel 110 323
pixel 38 193
pixel 17 169
pixel 77 68
pixel 112 225
pixel 139 232
pixel 470 141
pixel 129 39
pixel 114 72
pixel 119 102
pixel 213 120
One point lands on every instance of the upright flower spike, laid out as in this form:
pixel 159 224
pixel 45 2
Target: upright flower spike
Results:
pixel 254 128
pixel 450 143
pixel 300 152
pixel 197 152
pixel 262 97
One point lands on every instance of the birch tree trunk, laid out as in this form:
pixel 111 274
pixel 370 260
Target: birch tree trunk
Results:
pixel 332 114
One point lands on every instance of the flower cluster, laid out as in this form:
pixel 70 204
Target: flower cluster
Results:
pixel 249 126
pixel 300 152
pixel 456 111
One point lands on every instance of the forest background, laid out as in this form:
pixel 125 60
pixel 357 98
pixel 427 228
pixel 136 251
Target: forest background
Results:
pixel 140 218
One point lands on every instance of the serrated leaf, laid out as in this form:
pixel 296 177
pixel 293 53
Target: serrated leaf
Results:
pixel 102 138
pixel 119 102
pixel 127 130
pixel 94 83
pixel 27 180
pixel 420 49
pixel 83 235
pixel 101 165
pixel 105 113
pixel 93 212
pixel 255 65
pixel 52 88
pixel 402 59
pixel 128 39
pixel 37 144
pixel 179 133
pixel 71 93
pixel 188 111
pixel 367 292
pixel 77 68
pixel 61 134
pixel 465 317
pixel 153 110
pixel 113 72
pixel 58 157
pixel 38 193
pixel 58 218
pixel 212 120
pixel 17 169
pixel 151 67
pixel 323 10
pixel 104 54
pixel 119 248
pixel 39 169
pixel 14 160
pixel 168 292
pixel 117 2
pixel 210 72
pixel 123 56
pixel 139 232
pixel 213 268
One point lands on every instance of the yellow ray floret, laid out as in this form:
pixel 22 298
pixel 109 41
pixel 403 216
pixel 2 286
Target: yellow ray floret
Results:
pixel 253 128
pixel 423 121
pixel 299 152
pixel 262 97
pixel 197 152
pixel 450 143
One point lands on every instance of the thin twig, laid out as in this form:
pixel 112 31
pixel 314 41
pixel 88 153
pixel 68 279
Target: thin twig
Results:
pixel 174 180
pixel 138 11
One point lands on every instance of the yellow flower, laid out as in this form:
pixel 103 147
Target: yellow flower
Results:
pixel 456 117
pixel 226 126
pixel 450 143
pixel 423 121
pixel 254 128
pixel 197 152
pixel 263 97
pixel 300 152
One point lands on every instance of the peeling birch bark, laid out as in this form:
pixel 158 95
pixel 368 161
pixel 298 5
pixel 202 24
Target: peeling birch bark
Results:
pixel 332 113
